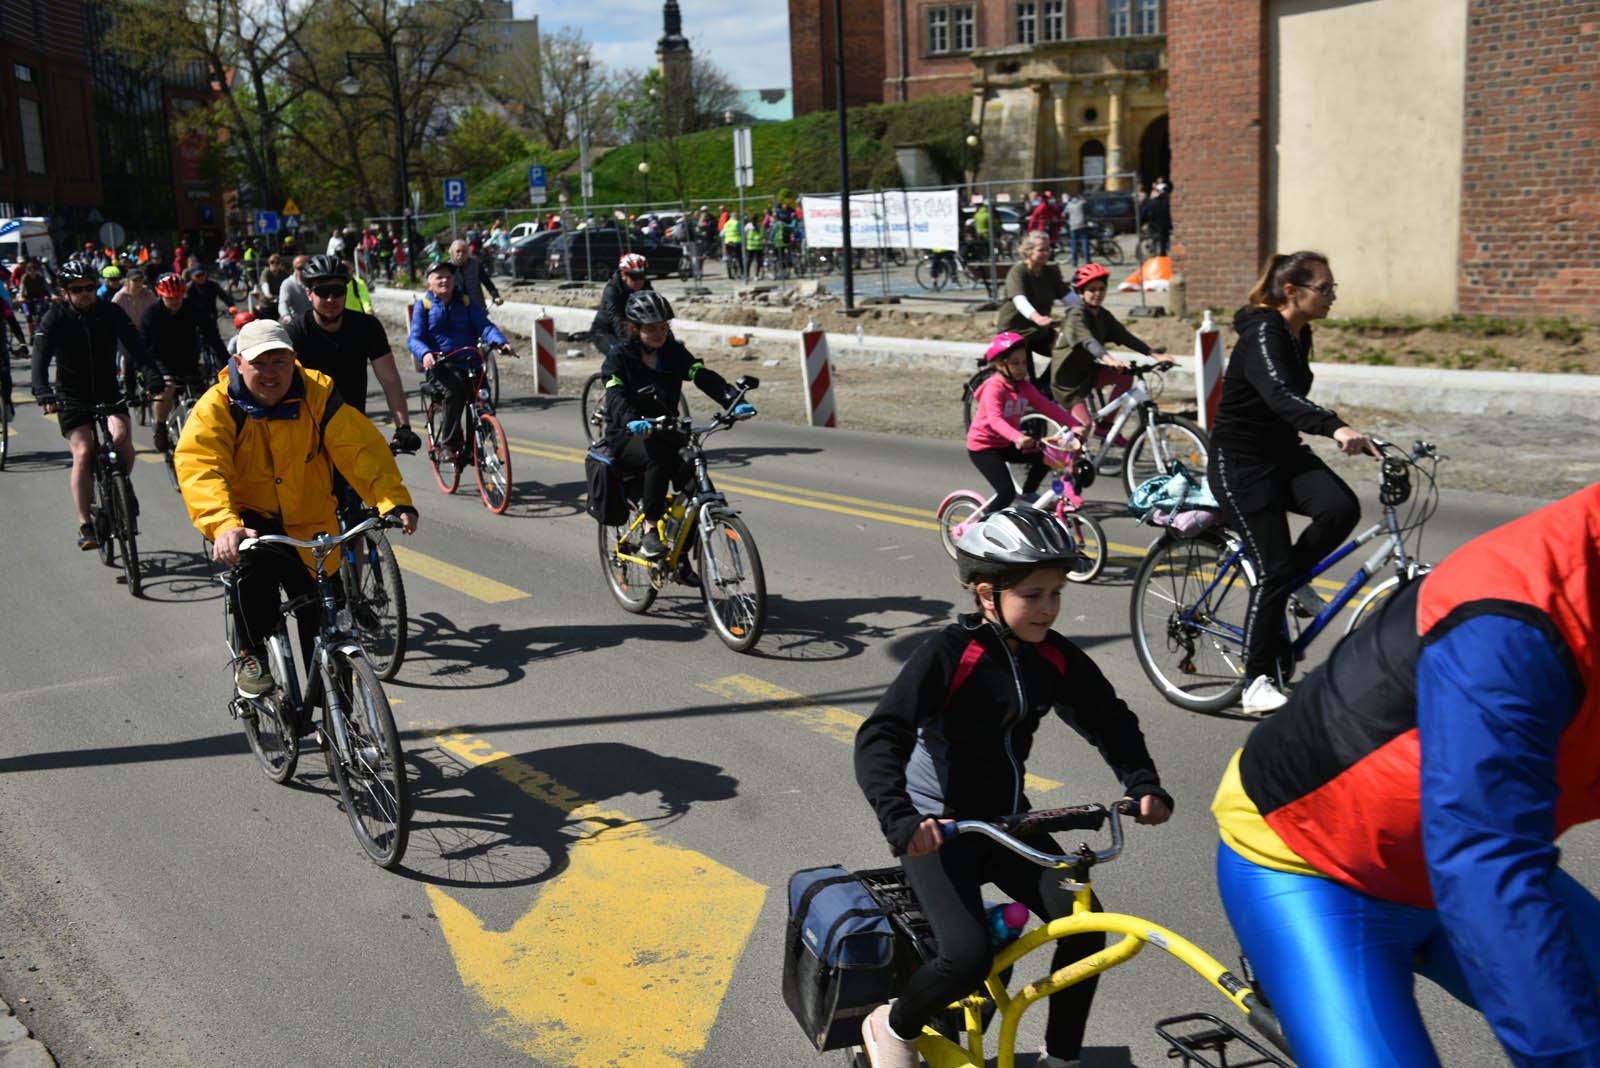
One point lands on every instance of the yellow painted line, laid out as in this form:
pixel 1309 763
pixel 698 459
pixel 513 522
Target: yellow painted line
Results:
pixel 459 579
pixel 835 723
pixel 624 958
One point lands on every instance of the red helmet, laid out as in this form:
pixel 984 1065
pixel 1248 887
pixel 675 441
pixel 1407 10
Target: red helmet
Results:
pixel 1088 273
pixel 1002 344
pixel 170 285
pixel 632 263
pixel 240 318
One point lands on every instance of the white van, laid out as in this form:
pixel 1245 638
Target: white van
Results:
pixel 25 236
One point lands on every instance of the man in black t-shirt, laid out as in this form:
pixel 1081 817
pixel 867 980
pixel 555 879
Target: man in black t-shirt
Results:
pixel 342 343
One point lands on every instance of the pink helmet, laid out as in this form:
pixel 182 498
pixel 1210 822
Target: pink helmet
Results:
pixel 1002 344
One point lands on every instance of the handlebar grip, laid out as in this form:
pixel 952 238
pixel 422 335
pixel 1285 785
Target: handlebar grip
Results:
pixel 947 830
pixel 1044 821
pixel 1127 807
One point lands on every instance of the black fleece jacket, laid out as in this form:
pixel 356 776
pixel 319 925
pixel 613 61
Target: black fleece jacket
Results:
pixel 1264 407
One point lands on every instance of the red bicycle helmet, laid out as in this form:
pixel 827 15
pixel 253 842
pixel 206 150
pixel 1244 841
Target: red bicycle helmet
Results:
pixel 241 318
pixel 170 285
pixel 632 263
pixel 1088 273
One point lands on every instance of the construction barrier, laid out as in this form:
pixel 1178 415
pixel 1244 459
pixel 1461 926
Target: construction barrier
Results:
pixel 544 352
pixel 1208 370
pixel 819 378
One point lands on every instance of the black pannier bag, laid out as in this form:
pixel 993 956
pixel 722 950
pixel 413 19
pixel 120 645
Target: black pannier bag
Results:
pixel 608 501
pixel 838 955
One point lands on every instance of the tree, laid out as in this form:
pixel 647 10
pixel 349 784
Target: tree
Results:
pixel 649 110
pixel 559 87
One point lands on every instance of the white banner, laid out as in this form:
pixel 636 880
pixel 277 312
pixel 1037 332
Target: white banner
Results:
pixel 891 219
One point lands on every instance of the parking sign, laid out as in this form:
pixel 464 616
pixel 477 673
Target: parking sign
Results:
pixel 538 192
pixel 455 192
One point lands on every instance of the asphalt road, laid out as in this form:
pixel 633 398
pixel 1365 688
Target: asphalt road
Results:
pixel 608 807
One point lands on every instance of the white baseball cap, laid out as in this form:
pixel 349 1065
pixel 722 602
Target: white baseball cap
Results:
pixel 261 336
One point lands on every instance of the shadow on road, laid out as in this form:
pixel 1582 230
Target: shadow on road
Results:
pixel 533 499
pixel 735 456
pixel 173 576
pixel 840 628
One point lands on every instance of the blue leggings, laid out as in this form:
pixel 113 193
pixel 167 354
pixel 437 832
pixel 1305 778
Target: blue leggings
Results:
pixel 1337 964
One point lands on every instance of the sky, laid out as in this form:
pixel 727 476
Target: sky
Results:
pixel 748 39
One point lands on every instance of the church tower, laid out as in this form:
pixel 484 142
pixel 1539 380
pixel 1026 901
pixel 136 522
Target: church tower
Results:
pixel 674 59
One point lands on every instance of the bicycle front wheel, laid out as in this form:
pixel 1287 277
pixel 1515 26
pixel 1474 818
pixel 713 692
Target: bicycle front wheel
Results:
pixel 928 277
pixel 731 579
pixel 493 462
pixel 5 422
pixel 1165 439
pixel 377 599
pixel 591 407
pixel 628 580
pixel 124 511
pixel 1188 609
pixel 958 509
pixel 446 471
pixel 371 772
pixel 174 432
pixel 100 515
pixel 1089 536
pixel 491 378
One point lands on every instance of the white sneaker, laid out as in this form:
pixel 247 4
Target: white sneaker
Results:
pixel 1048 1060
pixel 1307 602
pixel 1263 695
pixel 884 1048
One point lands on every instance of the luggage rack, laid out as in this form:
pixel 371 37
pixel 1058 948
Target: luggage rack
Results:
pixel 1212 1035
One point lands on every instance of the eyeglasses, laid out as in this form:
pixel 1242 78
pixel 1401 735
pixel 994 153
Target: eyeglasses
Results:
pixel 637 276
pixel 329 292
pixel 81 289
pixel 1327 289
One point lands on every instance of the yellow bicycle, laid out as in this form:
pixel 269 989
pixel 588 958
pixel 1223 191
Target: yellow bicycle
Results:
pixel 955 1039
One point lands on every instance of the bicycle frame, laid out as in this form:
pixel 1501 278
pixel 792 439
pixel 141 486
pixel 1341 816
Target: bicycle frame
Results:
pixel 1134 401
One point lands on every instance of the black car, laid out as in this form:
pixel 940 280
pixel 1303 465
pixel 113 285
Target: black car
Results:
pixel 1113 208
pixel 594 254
pixel 530 254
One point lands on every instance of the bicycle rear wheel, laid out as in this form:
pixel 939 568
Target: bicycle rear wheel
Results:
pixel 1158 443
pixel 628 581
pixel 592 406
pixel 266 726
pixel 174 432
pixel 732 582
pixel 377 599
pixel 491 378
pixel 445 472
pixel 125 508
pixel 930 278
pixel 100 515
pixel 5 423
pixel 958 509
pixel 1090 538
pixel 1188 609
pixel 371 776
pixel 492 459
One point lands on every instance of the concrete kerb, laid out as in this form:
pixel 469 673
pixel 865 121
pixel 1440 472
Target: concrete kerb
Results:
pixel 1405 389
pixel 18 1047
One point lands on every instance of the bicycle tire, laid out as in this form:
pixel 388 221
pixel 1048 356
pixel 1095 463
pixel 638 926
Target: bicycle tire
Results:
pixel 955 510
pixel 592 407
pixel 1378 597
pixel 174 431
pixel 447 473
pixel 100 516
pixel 491 377
pixel 376 594
pixel 629 582
pixel 125 506
pixel 491 459
pixel 732 582
pixel 373 785
pixel 271 737
pixel 928 278
pixel 1153 448
pixel 1187 616
pixel 5 427
pixel 1108 250
pixel 1085 531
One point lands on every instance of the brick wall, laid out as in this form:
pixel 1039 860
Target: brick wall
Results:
pixel 1217 90
pixel 1530 183
pixel 811 54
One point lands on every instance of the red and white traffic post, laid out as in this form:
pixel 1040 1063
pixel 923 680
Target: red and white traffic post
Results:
pixel 544 353
pixel 1208 370
pixel 819 377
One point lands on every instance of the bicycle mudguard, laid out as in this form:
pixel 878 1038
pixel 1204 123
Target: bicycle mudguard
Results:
pixel 948 497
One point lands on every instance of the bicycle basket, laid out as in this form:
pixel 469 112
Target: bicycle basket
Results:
pixel 1059 449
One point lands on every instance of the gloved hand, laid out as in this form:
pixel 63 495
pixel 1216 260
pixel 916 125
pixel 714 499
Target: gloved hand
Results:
pixel 153 381
pixel 405 440
pixel 639 426
pixel 743 410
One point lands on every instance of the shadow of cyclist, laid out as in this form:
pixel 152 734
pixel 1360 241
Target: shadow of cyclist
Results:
pixel 841 628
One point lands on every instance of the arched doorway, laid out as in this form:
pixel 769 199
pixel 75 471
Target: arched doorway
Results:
pixel 1092 164
pixel 1155 153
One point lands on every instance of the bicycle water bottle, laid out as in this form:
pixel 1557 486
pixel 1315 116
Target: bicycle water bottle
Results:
pixel 674 519
pixel 1005 922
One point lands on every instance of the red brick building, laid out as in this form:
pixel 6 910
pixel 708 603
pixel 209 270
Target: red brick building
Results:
pixel 49 161
pixel 811 54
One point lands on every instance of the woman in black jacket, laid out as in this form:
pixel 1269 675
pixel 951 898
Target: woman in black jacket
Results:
pixel 1261 470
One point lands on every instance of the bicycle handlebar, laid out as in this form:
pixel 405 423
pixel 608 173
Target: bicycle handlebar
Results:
pixel 322 544
pixel 1076 818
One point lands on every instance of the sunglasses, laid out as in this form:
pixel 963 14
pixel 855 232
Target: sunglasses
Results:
pixel 637 276
pixel 81 289
pixel 329 292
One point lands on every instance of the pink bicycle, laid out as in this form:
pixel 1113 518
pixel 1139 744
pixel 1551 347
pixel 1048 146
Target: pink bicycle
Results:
pixel 1064 499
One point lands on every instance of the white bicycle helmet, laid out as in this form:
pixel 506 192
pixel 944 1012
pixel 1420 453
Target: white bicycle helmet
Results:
pixel 1012 539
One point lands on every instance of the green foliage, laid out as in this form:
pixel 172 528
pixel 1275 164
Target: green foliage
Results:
pixel 478 146
pixel 1556 329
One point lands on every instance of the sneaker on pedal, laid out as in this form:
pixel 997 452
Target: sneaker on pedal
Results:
pixel 87 539
pixel 250 675
pixel 884 1048
pixel 1263 696
pixel 1307 602
pixel 653 547
pixel 163 437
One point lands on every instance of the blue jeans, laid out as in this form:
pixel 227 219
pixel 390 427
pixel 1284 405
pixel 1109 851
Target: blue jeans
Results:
pixel 1080 245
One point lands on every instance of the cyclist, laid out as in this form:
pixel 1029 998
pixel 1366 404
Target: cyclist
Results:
pixel 471 278
pixel 111 282
pixel 81 336
pixel 168 330
pixel 995 437
pixel 35 291
pixel 1259 468
pixel 292 299
pixel 1033 285
pixel 948 740
pixel 341 343
pixel 135 297
pixel 630 277
pixel 359 296
pixel 9 312
pixel 1400 812
pixel 272 277
pixel 1080 361
pixel 644 380
pixel 445 320
pixel 236 486
pixel 204 293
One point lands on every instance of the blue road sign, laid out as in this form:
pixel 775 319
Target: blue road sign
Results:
pixel 537 190
pixel 266 222
pixel 455 192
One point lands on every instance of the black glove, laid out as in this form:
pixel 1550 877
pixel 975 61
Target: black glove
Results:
pixel 405 440
pixel 154 381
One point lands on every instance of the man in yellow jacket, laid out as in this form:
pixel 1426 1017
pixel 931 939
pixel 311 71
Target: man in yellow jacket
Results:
pixel 257 456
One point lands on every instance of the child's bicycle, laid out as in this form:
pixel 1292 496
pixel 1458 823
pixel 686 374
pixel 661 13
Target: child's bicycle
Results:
pixel 490 451
pixel 955 1039
pixel 730 578
pixel 1191 593
pixel 1064 499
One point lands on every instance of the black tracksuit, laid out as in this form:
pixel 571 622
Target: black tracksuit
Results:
pixel 605 332
pixel 170 338
pixel 84 348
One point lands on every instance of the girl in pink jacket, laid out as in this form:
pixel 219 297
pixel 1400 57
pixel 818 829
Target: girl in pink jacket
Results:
pixel 995 438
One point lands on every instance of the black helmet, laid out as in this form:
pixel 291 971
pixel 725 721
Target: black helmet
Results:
pixel 647 306
pixel 443 264
pixel 1012 540
pixel 325 267
pixel 75 271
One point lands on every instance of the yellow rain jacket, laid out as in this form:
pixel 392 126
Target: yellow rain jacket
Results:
pixel 280 462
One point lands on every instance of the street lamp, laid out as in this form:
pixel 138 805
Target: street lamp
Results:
pixel 644 169
pixel 969 141
pixel 350 85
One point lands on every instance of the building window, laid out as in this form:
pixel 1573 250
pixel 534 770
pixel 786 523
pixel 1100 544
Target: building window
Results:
pixel 951 28
pixel 1053 24
pixel 1117 18
pixel 32 136
pixel 938 30
pixel 1027 23
pixel 22 72
pixel 964 28
pixel 1149 21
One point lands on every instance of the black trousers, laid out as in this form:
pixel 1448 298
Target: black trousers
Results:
pixel 1260 496
pixel 656 456
pixel 948 885
pixel 261 573
pixel 991 464
pixel 455 381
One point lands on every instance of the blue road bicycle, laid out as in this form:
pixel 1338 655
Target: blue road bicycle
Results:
pixel 1190 594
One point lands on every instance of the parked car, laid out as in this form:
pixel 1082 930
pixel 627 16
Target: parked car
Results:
pixel 594 254
pixel 1114 208
pixel 530 254
pixel 522 230
pixel 1011 219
